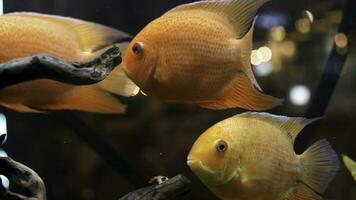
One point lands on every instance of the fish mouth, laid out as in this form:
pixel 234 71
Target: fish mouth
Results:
pixel 205 174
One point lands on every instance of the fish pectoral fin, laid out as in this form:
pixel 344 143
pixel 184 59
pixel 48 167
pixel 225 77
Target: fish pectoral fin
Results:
pixel 21 108
pixel 239 12
pixel 88 99
pixel 320 164
pixel 242 94
pixel 302 192
pixel 92 36
pixel 118 83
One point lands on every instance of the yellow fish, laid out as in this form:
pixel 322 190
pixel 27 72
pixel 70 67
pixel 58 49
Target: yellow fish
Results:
pixel 251 157
pixel 27 34
pixel 199 53
pixel 350 165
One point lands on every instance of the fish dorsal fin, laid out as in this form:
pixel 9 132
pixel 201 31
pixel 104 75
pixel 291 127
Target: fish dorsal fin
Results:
pixel 239 12
pixel 291 125
pixel 92 36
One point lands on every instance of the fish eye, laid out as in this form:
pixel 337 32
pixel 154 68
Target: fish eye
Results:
pixel 137 48
pixel 221 146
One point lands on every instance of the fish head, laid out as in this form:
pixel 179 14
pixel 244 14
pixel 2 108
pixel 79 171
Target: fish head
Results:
pixel 212 157
pixel 140 60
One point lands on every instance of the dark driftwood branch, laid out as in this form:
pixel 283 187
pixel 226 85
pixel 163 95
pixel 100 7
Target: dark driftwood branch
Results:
pixel 331 75
pixel 168 190
pixel 50 67
pixel 28 185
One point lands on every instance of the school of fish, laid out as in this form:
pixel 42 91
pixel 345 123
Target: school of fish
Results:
pixel 196 53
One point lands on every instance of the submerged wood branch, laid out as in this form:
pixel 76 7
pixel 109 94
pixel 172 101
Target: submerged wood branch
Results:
pixel 50 67
pixel 27 183
pixel 167 190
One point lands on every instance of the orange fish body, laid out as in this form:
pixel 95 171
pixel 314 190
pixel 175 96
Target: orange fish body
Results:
pixel 27 34
pixel 195 54
pixel 251 157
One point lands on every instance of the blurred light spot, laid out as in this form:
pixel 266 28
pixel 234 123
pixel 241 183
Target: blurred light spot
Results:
pixel 271 19
pixel 299 95
pixel 1 7
pixel 135 91
pixel 289 49
pixel 277 33
pixel 265 54
pixel 144 94
pixel 3 129
pixel 3 153
pixel 5 181
pixel 255 57
pixel 309 15
pixel 303 25
pixel 264 69
pixel 86 52
pixel 341 40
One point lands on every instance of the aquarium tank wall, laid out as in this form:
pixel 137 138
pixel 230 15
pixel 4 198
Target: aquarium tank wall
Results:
pixel 302 52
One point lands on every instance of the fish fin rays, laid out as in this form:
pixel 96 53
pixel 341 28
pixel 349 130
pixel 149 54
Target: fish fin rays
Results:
pixel 118 83
pixel 320 164
pixel 302 192
pixel 92 36
pixel 243 95
pixel 291 125
pixel 89 99
pixel 239 12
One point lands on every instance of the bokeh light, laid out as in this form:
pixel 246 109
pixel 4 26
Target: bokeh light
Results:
pixel 255 57
pixel 263 69
pixel 341 40
pixel 5 181
pixel 303 25
pixel 299 95
pixel 265 54
pixel 277 33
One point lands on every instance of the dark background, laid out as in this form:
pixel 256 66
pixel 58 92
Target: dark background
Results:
pixel 154 137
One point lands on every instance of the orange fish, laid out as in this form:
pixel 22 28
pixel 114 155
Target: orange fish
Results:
pixel 199 53
pixel 251 157
pixel 27 34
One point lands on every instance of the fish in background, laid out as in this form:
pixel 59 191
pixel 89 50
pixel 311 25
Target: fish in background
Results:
pixel 199 53
pixel 350 165
pixel 25 34
pixel 251 157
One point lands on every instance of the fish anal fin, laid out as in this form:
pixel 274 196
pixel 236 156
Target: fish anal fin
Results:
pixel 242 94
pixel 21 108
pixel 240 12
pixel 88 99
pixel 92 36
pixel 302 192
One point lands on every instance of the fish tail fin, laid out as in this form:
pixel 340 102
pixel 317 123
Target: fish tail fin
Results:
pixel 320 164
pixel 118 83
pixel 302 192
pixel 243 95
pixel 89 99
pixel 246 48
